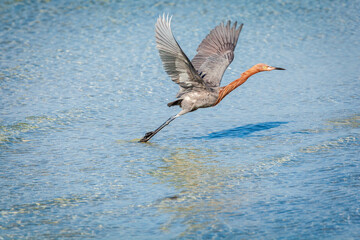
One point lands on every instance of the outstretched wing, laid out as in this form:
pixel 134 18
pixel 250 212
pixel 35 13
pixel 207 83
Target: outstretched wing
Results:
pixel 216 52
pixel 176 63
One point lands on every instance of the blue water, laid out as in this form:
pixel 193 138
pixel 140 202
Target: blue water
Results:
pixel 81 82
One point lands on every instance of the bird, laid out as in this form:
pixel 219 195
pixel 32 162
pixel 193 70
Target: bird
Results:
pixel 199 79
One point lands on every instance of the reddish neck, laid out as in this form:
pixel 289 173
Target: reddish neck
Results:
pixel 231 86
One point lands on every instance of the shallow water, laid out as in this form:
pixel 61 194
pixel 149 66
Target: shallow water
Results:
pixel 81 82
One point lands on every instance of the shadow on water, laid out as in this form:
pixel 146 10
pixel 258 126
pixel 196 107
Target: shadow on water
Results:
pixel 242 131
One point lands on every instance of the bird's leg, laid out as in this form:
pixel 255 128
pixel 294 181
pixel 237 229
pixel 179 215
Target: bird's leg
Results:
pixel 149 135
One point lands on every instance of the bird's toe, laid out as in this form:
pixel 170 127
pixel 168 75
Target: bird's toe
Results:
pixel 148 134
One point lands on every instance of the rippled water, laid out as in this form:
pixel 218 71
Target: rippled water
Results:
pixel 81 82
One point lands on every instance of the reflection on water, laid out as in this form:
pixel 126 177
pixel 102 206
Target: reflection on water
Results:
pixel 200 186
pixel 196 178
pixel 192 172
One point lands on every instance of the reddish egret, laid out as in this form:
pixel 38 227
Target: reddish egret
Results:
pixel 199 80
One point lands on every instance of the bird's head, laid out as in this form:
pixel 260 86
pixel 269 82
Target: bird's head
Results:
pixel 261 67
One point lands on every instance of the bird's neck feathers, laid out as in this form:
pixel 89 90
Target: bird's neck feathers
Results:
pixel 233 85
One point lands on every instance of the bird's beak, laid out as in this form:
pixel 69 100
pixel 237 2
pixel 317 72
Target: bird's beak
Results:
pixel 277 68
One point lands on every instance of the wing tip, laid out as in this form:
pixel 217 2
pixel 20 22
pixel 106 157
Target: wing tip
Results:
pixel 241 26
pixel 165 18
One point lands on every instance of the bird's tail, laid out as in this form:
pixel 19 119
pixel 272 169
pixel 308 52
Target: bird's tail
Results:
pixel 174 103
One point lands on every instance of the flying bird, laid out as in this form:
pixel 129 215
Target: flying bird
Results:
pixel 199 79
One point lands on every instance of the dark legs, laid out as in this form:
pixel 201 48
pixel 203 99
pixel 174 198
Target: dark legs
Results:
pixel 149 135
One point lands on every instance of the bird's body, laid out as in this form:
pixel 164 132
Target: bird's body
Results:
pixel 194 100
pixel 200 79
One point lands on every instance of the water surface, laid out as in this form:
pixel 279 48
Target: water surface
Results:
pixel 81 82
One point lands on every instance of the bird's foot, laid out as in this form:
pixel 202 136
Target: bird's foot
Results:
pixel 146 137
pixel 148 134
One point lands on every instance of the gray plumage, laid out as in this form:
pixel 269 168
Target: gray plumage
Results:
pixel 176 63
pixel 215 53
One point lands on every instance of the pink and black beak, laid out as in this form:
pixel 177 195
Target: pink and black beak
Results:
pixel 279 68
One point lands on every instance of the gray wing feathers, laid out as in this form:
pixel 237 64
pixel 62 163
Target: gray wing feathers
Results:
pixel 216 52
pixel 176 63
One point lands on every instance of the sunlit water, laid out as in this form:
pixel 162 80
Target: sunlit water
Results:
pixel 81 82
